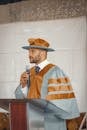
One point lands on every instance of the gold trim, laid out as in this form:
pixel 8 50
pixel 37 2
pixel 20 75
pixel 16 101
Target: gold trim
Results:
pixel 59 80
pixel 60 88
pixel 60 96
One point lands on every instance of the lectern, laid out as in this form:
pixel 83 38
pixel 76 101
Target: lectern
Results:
pixel 18 111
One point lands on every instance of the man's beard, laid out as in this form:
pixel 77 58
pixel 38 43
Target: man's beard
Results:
pixel 34 60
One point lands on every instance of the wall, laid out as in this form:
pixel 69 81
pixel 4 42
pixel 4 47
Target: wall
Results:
pixel 67 36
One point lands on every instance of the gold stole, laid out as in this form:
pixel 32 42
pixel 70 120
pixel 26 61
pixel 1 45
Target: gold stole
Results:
pixel 36 81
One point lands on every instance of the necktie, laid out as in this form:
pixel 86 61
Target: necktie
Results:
pixel 37 68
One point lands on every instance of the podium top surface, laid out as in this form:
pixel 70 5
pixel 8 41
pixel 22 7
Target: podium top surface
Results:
pixel 43 105
pixel 4 103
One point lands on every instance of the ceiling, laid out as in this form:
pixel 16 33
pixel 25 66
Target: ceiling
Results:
pixel 9 1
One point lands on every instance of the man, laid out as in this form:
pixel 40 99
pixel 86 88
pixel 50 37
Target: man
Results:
pixel 47 81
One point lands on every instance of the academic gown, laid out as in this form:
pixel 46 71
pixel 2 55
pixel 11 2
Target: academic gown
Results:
pixel 53 85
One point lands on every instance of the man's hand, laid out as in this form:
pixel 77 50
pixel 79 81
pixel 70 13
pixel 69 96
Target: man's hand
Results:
pixel 24 78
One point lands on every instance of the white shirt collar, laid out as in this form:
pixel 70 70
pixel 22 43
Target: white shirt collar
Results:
pixel 43 64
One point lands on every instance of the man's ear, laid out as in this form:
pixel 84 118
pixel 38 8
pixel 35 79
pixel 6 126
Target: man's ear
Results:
pixel 43 52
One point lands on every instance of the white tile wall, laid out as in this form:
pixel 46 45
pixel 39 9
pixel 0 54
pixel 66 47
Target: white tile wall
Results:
pixel 62 58
pixel 7 89
pixel 67 36
pixel 7 67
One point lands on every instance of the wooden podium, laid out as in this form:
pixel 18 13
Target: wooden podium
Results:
pixel 17 112
pixel 17 109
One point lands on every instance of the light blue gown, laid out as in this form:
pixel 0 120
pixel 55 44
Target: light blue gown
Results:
pixel 67 105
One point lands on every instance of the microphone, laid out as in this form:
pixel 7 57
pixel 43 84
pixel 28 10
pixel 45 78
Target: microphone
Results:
pixel 27 69
pixel 28 72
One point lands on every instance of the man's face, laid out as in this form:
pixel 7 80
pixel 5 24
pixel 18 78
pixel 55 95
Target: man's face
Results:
pixel 34 55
